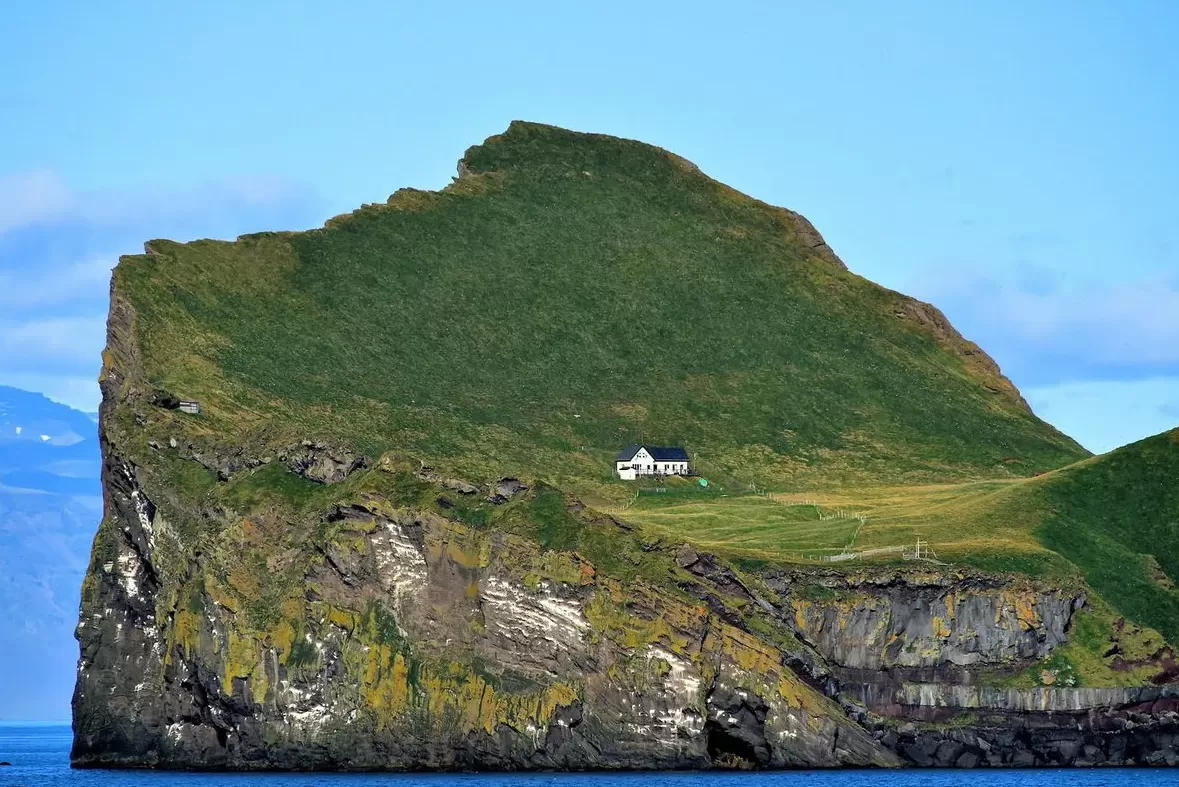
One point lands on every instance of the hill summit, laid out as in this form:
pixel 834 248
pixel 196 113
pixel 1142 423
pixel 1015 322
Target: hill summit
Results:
pixel 566 295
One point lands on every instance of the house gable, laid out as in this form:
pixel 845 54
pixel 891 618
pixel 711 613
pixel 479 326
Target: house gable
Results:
pixel 628 453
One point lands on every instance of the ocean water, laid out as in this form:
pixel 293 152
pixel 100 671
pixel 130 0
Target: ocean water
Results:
pixel 40 758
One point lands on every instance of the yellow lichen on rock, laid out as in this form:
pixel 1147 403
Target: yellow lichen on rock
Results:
pixel 344 618
pixel 243 660
pixel 940 626
pixel 1025 610
pixel 459 545
pixel 219 594
pixel 385 681
pixel 565 567
pixel 608 616
pixel 243 582
pixel 186 632
pixel 452 695
pixel 746 650
pixel 797 694
pixel 282 637
pixel 802 609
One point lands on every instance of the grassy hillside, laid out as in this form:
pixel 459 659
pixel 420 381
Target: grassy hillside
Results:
pixel 1110 521
pixel 568 294
pixel 1117 518
pixel 988 524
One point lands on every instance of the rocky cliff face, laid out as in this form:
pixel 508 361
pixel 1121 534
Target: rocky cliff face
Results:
pixel 916 649
pixel 391 636
pixel 926 619
pixel 414 641
pixel 316 609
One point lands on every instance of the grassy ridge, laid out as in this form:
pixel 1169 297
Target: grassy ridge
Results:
pixel 1117 518
pixel 568 295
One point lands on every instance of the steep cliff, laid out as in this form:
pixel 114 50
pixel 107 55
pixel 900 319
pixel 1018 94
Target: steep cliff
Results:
pixel 392 634
pixel 389 539
pixel 934 658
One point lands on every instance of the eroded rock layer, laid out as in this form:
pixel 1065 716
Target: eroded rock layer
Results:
pixel 409 640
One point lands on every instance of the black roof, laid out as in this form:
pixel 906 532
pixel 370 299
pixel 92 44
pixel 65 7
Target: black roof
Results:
pixel 660 453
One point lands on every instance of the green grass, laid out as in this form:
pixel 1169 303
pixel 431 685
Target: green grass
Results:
pixel 574 293
pixel 546 516
pixel 1111 522
pixel 1117 518
pixel 989 525
pixel 747 526
pixel 272 484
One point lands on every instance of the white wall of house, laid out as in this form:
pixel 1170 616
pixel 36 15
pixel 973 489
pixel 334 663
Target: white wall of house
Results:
pixel 644 464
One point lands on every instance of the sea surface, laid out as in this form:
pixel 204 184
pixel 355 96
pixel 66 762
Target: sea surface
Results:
pixel 40 758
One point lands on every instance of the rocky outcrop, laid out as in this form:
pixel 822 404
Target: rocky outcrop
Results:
pixel 913 620
pixel 323 463
pixel 404 639
pixel 384 633
pixel 505 489
pixel 378 635
pixel 912 648
pixel 805 233
pixel 1106 737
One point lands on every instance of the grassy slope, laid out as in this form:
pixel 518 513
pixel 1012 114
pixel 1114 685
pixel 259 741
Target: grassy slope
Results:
pixel 1117 518
pixel 743 526
pixel 1114 518
pixel 1111 521
pixel 574 293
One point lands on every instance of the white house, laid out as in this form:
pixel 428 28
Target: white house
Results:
pixel 637 460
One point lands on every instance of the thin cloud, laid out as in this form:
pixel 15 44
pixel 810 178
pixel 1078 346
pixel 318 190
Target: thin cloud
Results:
pixel 54 284
pixel 57 248
pixel 1046 333
pixel 1105 414
pixel 55 342
pixel 31 197
pixel 39 197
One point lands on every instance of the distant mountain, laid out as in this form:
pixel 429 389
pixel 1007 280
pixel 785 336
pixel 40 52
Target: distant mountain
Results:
pixel 50 500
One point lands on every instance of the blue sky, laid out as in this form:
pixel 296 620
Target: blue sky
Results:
pixel 1016 166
